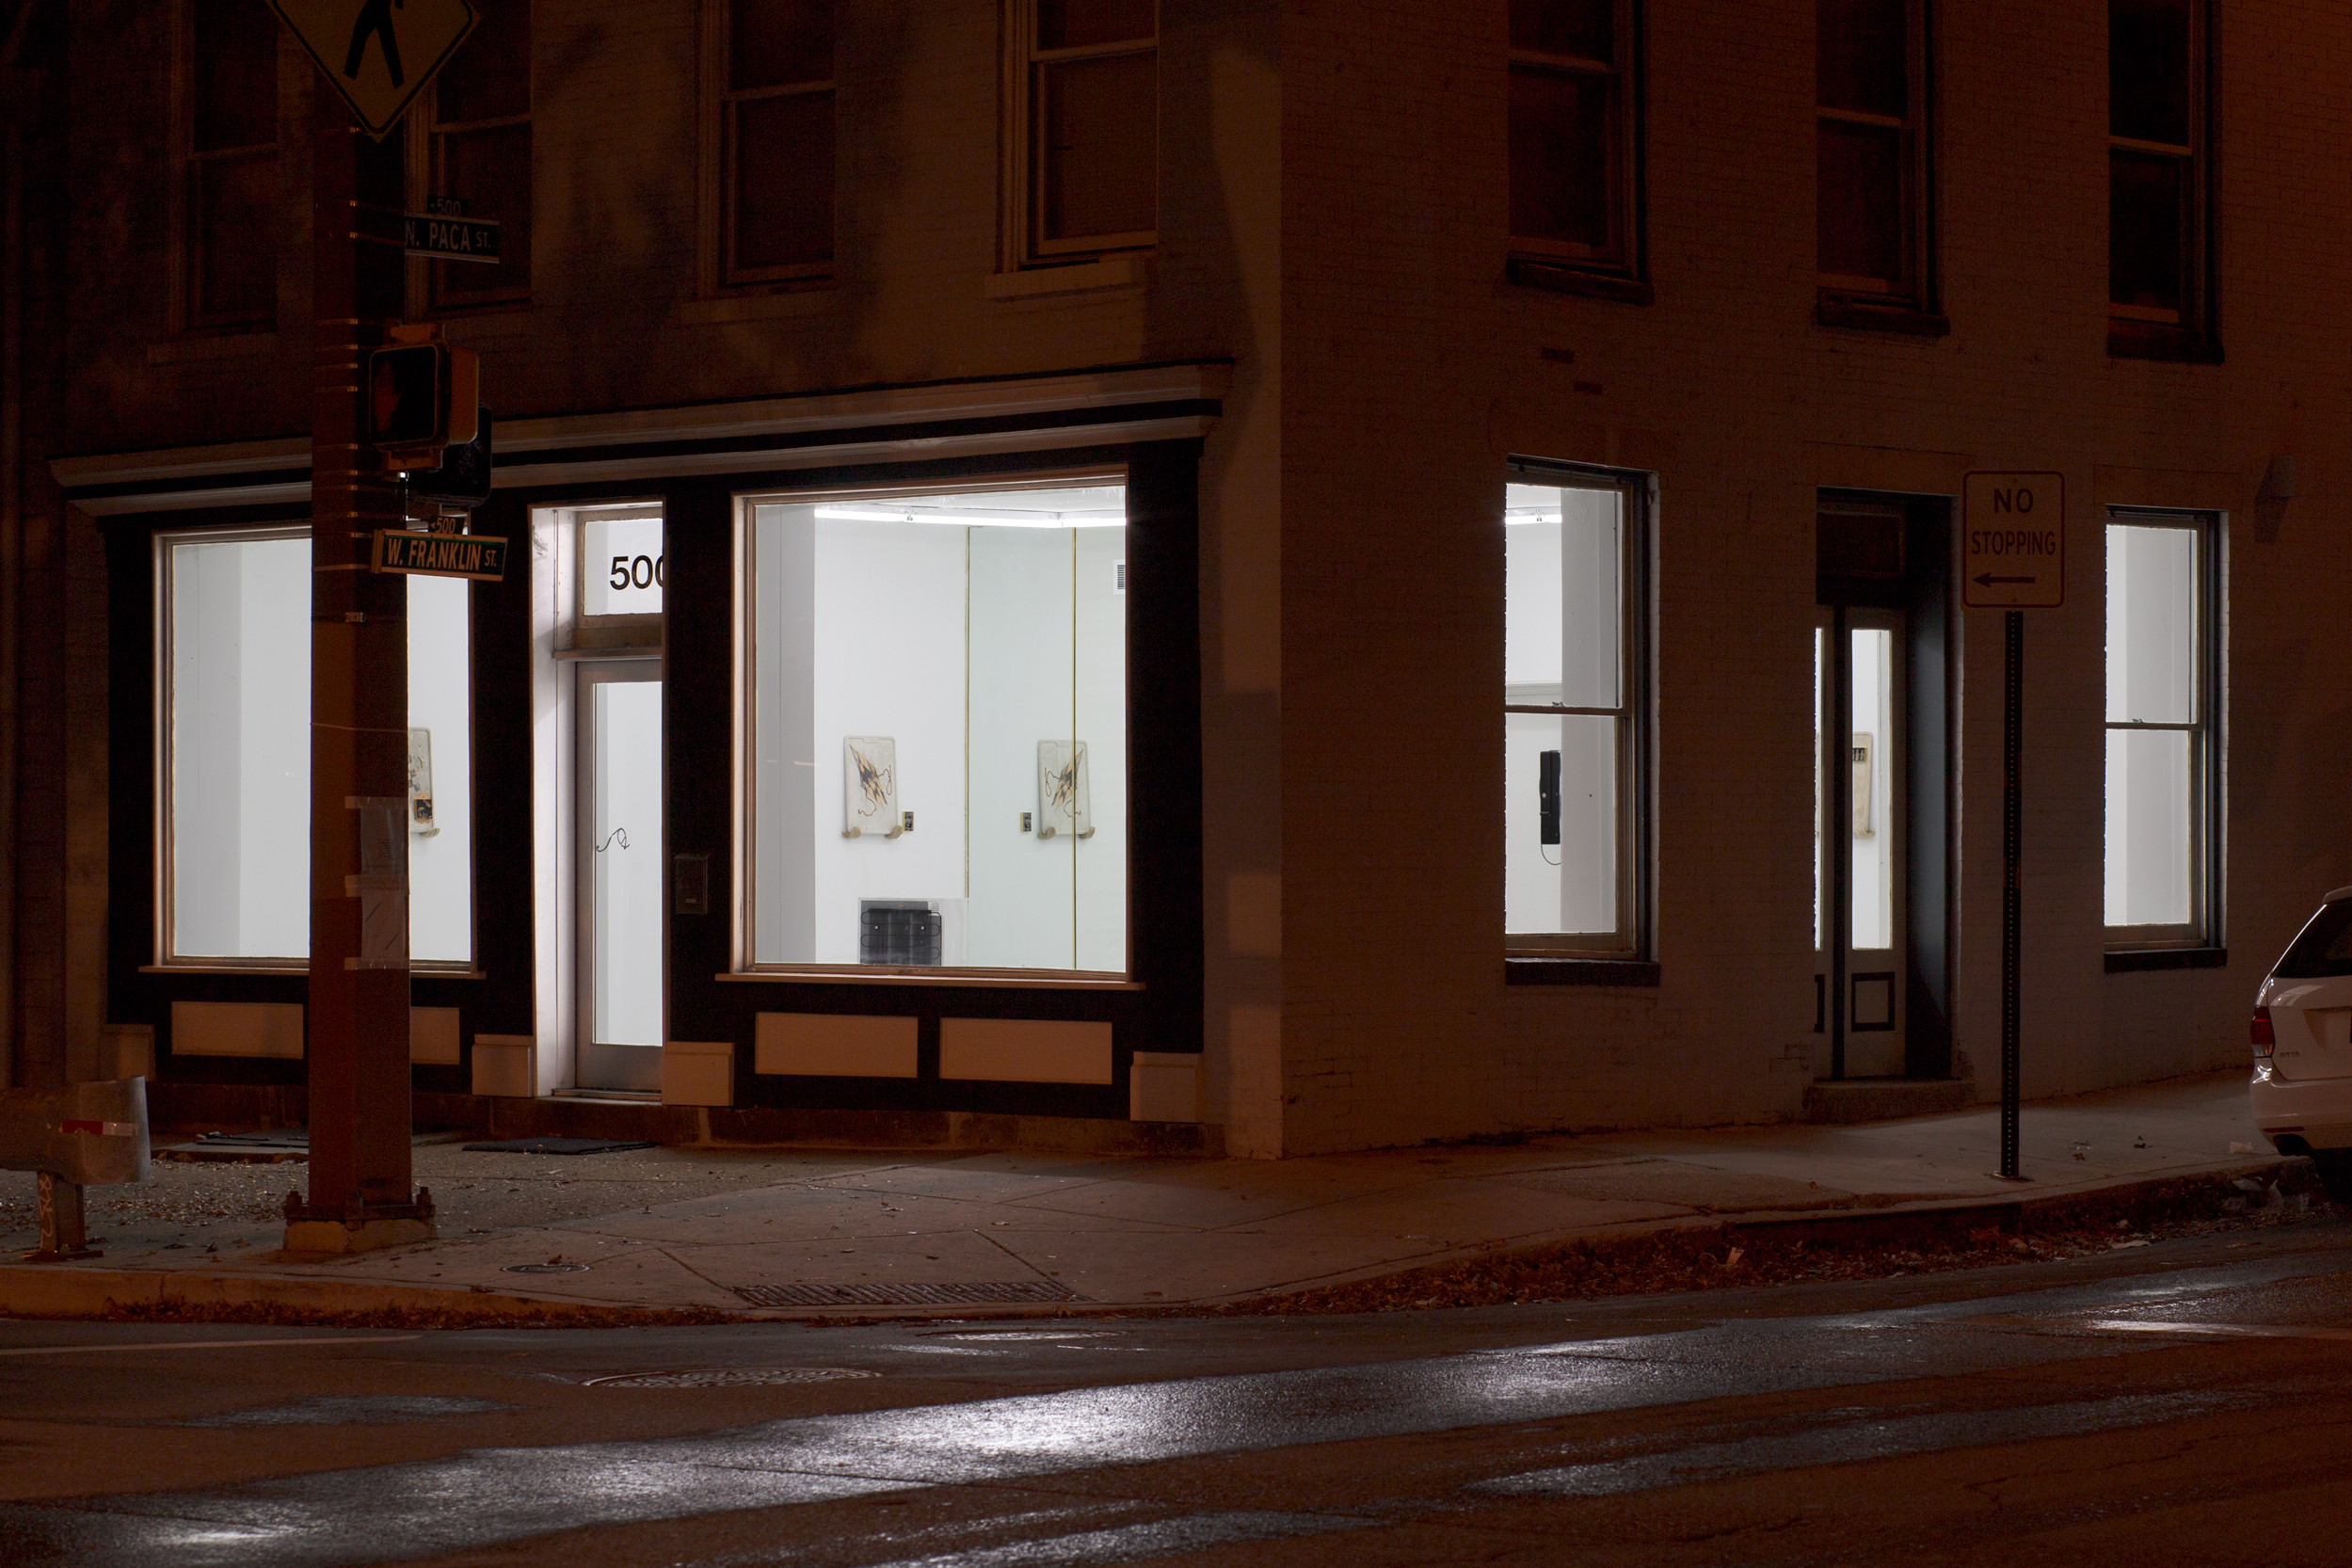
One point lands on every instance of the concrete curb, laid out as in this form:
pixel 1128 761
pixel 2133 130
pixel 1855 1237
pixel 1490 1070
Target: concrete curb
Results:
pixel 37 1291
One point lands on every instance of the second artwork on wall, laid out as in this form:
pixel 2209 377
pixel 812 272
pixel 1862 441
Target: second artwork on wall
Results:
pixel 869 795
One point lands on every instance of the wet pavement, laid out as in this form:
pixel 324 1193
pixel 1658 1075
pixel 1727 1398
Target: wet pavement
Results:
pixel 2081 1411
pixel 738 1230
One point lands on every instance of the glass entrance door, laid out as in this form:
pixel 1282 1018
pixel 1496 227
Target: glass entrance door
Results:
pixel 619 809
pixel 1861 838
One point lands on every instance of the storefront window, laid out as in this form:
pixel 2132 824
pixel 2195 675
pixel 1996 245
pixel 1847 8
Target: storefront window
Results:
pixel 936 731
pixel 234 699
pixel 1570 718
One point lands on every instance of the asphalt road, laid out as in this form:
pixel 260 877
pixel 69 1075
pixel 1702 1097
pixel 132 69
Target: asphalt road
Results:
pixel 2181 1402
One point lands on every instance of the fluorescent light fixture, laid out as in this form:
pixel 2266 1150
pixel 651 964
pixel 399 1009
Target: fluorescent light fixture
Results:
pixel 1513 518
pixel 972 518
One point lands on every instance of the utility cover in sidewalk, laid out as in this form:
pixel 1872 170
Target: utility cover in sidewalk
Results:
pixel 906 1295
pixel 558 1145
pixel 378 54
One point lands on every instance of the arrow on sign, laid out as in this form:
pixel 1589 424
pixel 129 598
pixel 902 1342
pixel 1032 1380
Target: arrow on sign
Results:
pixel 1986 580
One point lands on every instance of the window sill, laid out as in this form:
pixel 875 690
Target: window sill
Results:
pixel 416 971
pixel 851 974
pixel 1869 315
pixel 1558 279
pixel 240 345
pixel 1103 272
pixel 1534 970
pixel 783 304
pixel 2149 340
pixel 2137 960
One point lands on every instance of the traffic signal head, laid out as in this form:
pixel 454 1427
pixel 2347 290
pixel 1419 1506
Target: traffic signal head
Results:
pixel 421 397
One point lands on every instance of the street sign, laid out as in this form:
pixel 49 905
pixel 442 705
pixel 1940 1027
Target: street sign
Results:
pixel 451 239
pixel 378 54
pixel 2014 542
pixel 440 555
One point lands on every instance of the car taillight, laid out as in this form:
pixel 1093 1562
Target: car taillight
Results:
pixel 2264 1041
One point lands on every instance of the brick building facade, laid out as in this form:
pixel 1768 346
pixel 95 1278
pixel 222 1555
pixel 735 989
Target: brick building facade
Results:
pixel 1767 279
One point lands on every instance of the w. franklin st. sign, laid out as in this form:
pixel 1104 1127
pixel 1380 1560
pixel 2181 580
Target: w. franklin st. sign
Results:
pixel 378 54
pixel 2014 542
pixel 420 554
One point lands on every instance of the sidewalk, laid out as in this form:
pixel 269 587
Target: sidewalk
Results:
pixel 799 1232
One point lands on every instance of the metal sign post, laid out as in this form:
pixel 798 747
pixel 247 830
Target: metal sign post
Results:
pixel 2014 559
pixel 376 57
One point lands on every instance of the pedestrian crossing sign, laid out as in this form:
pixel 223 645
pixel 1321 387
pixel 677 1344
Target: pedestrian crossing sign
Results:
pixel 378 54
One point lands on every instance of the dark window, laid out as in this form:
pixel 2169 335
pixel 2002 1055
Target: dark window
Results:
pixel 481 153
pixel 1871 230
pixel 1092 77
pixel 231 195
pixel 2158 207
pixel 1572 141
pixel 777 169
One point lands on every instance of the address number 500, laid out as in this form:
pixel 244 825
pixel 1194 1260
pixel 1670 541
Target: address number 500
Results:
pixel 642 571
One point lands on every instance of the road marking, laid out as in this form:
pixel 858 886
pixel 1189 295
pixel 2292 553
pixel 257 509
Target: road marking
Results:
pixel 2233 1331
pixel 207 1345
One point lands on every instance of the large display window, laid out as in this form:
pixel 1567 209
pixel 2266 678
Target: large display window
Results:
pixel 935 732
pixel 1571 731
pixel 233 755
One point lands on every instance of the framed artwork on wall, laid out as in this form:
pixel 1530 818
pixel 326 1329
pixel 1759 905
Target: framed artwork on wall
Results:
pixel 870 787
pixel 1061 799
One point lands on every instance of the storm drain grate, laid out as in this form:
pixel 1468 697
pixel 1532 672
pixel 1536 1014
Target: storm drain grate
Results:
pixel 906 1295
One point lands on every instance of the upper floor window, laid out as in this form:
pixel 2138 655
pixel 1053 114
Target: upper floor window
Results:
pixel 1084 92
pixel 1873 239
pixel 2164 689
pixel 1574 674
pixel 1574 145
pixel 480 153
pixel 231 196
pixel 769 114
pixel 2159 201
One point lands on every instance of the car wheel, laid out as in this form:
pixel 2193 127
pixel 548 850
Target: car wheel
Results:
pixel 2335 1174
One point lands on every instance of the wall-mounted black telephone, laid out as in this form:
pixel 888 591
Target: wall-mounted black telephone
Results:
pixel 1548 796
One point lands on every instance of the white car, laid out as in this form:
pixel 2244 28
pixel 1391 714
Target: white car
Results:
pixel 2302 1032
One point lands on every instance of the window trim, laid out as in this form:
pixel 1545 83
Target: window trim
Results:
pixel 2203 931
pixel 1634 941
pixel 743 936
pixel 166 959
pixel 2192 333
pixel 1914 304
pixel 1621 271
pixel 717 277
pixel 188 255
pixel 1022 245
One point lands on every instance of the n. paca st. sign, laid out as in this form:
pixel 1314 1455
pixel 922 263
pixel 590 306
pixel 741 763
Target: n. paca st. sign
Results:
pixel 2014 542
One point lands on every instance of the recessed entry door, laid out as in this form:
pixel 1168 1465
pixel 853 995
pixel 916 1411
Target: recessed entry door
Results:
pixel 619 809
pixel 1861 838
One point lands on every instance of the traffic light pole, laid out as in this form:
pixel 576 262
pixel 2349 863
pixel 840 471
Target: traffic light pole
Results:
pixel 360 1194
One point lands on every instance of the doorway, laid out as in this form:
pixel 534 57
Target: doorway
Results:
pixel 1882 788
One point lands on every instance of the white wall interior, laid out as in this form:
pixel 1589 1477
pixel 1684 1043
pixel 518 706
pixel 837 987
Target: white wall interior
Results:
pixel 967 629
pixel 440 701
pixel 240 742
